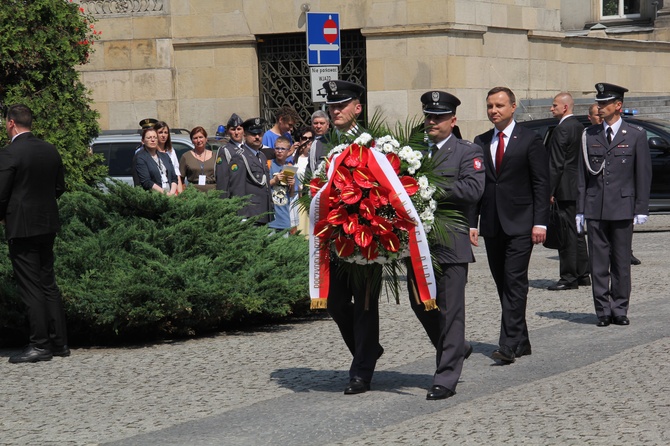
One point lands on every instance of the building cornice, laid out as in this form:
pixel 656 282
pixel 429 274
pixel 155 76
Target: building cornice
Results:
pixel 442 28
pixel 214 41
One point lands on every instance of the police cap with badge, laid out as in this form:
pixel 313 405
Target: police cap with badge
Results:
pixel 439 103
pixel 255 126
pixel 609 92
pixel 338 91
pixel 148 123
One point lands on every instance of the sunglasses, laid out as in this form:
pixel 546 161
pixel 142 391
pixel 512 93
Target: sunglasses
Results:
pixel 306 138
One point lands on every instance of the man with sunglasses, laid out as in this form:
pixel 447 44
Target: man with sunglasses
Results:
pixel 461 163
pixel 614 180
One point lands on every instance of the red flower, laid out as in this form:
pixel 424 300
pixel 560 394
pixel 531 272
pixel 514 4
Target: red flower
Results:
pixel 370 251
pixel 410 183
pixel 390 241
pixel 342 177
pixel 351 226
pixel 351 194
pixel 394 159
pixel 364 178
pixel 333 198
pixel 367 209
pixel 379 196
pixel 356 155
pixel 323 229
pixel 404 223
pixel 338 216
pixel 315 185
pixel 344 246
pixel 381 225
pixel 363 236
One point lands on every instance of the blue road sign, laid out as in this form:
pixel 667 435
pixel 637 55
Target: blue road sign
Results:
pixel 323 38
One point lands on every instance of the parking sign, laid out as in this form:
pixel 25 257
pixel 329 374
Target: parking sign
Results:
pixel 323 38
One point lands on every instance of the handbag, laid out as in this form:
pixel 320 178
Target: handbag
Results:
pixel 556 229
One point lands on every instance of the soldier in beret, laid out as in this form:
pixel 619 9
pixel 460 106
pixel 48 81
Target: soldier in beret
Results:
pixel 614 183
pixel 248 173
pixel 462 162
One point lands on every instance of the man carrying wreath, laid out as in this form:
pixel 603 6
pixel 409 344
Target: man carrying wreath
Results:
pixel 461 162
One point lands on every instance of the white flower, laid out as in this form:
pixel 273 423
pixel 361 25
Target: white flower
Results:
pixel 432 204
pixel 363 139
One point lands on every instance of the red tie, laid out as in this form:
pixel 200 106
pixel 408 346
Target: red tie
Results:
pixel 500 151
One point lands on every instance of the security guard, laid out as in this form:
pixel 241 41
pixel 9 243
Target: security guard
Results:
pixel 248 173
pixel 462 163
pixel 614 184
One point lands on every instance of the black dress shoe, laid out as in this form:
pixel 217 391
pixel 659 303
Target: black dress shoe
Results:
pixel 563 286
pixel 604 321
pixel 523 349
pixel 620 320
pixel 32 354
pixel 356 385
pixel 584 281
pixel 634 260
pixel 62 350
pixel 468 352
pixel 504 354
pixel 438 392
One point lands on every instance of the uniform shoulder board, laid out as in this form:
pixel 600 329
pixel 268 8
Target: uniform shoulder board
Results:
pixel 465 141
pixel 636 127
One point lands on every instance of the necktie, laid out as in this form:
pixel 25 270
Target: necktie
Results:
pixel 500 151
pixel 609 135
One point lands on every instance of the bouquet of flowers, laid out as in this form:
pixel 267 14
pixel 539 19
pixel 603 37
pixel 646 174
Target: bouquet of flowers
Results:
pixel 373 201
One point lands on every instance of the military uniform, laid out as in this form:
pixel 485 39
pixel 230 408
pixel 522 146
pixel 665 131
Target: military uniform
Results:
pixel 461 162
pixel 614 184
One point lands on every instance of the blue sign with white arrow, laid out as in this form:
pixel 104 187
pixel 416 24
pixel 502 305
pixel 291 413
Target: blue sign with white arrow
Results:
pixel 323 38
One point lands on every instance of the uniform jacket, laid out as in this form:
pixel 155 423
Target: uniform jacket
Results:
pixel 146 172
pixel 249 175
pixel 621 189
pixel 518 198
pixel 31 179
pixel 564 152
pixel 462 163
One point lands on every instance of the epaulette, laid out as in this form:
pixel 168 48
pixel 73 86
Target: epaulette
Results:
pixel 636 127
pixel 465 141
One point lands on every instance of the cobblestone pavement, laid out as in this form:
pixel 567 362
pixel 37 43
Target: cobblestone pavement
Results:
pixel 283 384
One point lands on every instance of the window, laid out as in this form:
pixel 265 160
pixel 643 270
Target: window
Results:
pixel 620 9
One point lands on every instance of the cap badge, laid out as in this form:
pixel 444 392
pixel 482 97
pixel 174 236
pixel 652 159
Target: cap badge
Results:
pixel 333 87
pixel 436 96
pixel 257 121
pixel 601 88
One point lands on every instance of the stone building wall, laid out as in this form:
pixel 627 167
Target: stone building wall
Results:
pixel 194 62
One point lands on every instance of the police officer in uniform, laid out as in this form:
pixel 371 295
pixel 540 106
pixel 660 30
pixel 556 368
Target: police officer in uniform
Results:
pixel 614 184
pixel 461 162
pixel 248 173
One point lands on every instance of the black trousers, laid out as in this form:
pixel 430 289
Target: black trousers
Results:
pixel 508 258
pixel 446 327
pixel 33 262
pixel 574 258
pixel 610 247
pixel 359 326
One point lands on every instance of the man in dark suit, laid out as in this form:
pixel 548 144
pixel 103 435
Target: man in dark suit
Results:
pixel 514 212
pixel 462 163
pixel 317 151
pixel 564 151
pixel 248 174
pixel 31 179
pixel 614 184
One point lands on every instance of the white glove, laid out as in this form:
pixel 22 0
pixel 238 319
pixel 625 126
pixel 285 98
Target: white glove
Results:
pixel 640 219
pixel 579 220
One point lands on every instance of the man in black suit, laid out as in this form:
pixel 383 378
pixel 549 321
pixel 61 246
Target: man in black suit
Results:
pixel 463 164
pixel 614 180
pixel 31 179
pixel 514 212
pixel 564 151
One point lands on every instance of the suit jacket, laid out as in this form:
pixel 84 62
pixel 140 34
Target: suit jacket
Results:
pixel 249 175
pixel 564 151
pixel 518 198
pixel 461 163
pixel 31 179
pixel 621 189
pixel 146 172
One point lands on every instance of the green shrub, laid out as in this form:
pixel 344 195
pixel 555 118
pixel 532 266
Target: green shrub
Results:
pixel 134 265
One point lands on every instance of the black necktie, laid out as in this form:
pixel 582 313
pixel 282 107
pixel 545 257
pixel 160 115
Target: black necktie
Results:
pixel 609 135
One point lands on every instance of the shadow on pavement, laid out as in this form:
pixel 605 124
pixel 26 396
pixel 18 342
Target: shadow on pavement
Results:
pixel 577 318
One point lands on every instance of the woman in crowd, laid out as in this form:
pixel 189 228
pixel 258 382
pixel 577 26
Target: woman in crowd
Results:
pixel 198 165
pixel 304 137
pixel 165 146
pixel 152 169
